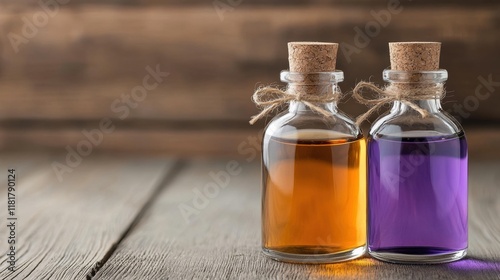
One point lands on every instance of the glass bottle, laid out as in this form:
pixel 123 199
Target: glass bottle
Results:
pixel 417 174
pixel 314 179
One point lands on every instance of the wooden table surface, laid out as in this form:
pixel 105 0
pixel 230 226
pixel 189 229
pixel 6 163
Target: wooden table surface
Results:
pixel 116 217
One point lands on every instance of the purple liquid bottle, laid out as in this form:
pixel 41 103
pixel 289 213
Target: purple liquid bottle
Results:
pixel 417 165
pixel 417 198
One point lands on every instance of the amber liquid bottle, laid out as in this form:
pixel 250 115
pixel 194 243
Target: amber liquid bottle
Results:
pixel 314 180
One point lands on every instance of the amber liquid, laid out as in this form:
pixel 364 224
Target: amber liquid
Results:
pixel 314 195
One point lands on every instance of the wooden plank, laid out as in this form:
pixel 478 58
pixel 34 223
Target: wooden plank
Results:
pixel 223 239
pixel 484 206
pixel 85 58
pixel 191 142
pixel 65 228
pixel 482 143
pixel 174 3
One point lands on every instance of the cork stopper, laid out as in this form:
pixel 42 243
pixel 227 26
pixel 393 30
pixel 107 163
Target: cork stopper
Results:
pixel 414 56
pixel 308 57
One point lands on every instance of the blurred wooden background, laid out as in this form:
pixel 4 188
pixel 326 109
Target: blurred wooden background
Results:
pixel 65 77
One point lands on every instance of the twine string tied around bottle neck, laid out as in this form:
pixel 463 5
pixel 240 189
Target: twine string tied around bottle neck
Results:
pixel 393 93
pixel 270 98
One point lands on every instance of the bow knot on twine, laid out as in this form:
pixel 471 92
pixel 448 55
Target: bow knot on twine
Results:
pixel 393 93
pixel 271 98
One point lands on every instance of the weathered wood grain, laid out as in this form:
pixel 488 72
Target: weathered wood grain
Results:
pixel 65 229
pixel 175 3
pixel 91 54
pixel 484 223
pixel 483 143
pixel 222 241
pixel 183 142
pixel 87 56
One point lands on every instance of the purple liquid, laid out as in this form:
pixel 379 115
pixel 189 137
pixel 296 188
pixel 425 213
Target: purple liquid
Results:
pixel 417 195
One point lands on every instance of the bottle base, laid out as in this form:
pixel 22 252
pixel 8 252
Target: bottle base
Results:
pixel 313 255
pixel 414 258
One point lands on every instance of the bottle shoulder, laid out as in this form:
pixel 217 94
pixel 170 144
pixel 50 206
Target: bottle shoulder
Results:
pixel 436 124
pixel 312 125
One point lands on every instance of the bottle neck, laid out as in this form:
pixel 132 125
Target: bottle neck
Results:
pixel 433 106
pixel 319 89
pixel 298 107
pixel 428 86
